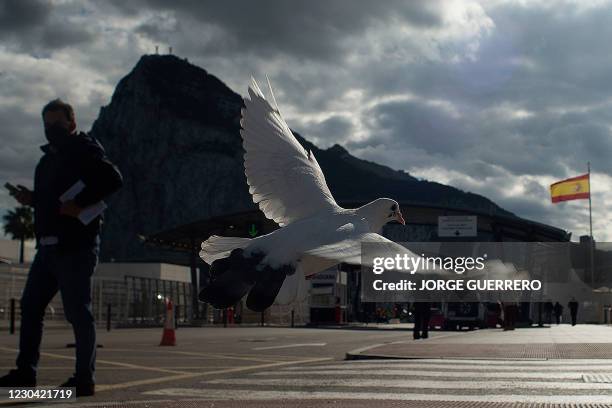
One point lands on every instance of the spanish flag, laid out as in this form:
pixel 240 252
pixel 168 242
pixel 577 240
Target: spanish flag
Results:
pixel 574 188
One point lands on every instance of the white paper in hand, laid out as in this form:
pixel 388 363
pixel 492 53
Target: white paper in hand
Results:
pixel 88 214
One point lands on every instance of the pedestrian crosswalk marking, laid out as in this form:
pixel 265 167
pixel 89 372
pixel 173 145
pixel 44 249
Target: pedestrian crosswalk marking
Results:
pixel 411 383
pixel 245 395
pixel 576 375
pixel 541 382
pixel 462 362
pixel 597 378
pixel 498 367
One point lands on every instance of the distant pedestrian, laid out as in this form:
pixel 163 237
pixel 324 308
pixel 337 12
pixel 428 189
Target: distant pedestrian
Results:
pixel 230 315
pixel 238 313
pixel 573 307
pixel 510 315
pixel 338 311
pixel 548 311
pixel 422 315
pixel 380 315
pixel 558 309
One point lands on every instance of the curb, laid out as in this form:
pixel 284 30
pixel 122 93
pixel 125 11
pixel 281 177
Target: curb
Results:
pixel 357 354
pixel 351 356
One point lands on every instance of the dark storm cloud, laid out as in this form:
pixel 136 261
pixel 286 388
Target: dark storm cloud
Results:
pixel 539 145
pixel 303 29
pixel 536 59
pixel 21 135
pixel 58 36
pixel 37 27
pixel 19 15
pixel 536 56
pixel 319 132
pixel 419 125
pixel 528 207
pixel 546 144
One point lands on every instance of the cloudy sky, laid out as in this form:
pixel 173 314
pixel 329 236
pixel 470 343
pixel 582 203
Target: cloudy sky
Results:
pixel 500 98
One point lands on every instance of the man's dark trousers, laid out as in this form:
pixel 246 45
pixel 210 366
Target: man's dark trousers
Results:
pixel 422 314
pixel 68 271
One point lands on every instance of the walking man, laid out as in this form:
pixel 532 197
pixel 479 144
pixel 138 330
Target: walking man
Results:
pixel 67 246
pixel 573 307
pixel 558 312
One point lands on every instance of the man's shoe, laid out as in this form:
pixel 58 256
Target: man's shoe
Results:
pixel 83 389
pixel 17 378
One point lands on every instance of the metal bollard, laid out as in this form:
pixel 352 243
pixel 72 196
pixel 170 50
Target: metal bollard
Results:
pixel 12 322
pixel 108 317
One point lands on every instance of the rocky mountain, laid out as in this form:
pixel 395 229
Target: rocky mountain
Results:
pixel 173 130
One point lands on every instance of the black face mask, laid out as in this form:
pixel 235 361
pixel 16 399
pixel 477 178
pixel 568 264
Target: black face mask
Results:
pixel 57 134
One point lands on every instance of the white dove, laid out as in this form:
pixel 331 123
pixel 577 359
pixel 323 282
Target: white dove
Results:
pixel 316 233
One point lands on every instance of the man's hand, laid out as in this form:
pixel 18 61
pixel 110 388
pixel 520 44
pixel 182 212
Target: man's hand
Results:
pixel 23 195
pixel 70 209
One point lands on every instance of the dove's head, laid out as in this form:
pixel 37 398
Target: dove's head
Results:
pixel 380 212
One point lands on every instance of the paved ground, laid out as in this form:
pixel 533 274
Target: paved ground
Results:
pixel 423 380
pixel 558 342
pixel 305 367
pixel 131 362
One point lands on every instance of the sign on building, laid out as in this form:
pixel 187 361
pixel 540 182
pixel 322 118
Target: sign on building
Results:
pixel 457 226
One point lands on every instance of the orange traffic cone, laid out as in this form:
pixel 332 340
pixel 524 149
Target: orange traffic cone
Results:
pixel 169 338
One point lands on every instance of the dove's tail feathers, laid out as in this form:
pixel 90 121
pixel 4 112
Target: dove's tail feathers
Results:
pixel 217 247
pixel 230 279
pixel 268 285
pixel 233 276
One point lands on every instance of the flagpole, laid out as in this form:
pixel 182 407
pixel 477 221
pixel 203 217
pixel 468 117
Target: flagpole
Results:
pixel 591 226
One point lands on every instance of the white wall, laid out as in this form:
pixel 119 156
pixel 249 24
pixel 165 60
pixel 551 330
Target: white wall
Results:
pixel 117 270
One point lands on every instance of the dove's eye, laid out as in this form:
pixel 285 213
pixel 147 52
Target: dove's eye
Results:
pixel 393 207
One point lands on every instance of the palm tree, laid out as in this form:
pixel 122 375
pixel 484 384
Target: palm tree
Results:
pixel 19 223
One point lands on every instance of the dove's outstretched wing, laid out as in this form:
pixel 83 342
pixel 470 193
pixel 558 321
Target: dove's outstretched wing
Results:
pixel 349 250
pixel 345 245
pixel 284 179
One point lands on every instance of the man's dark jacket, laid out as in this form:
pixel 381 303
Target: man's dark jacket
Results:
pixel 81 158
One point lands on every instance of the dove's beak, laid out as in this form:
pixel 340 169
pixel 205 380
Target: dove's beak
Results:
pixel 400 218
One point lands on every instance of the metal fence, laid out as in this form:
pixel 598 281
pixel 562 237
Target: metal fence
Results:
pixel 144 300
pixel 131 301
pixel 134 301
